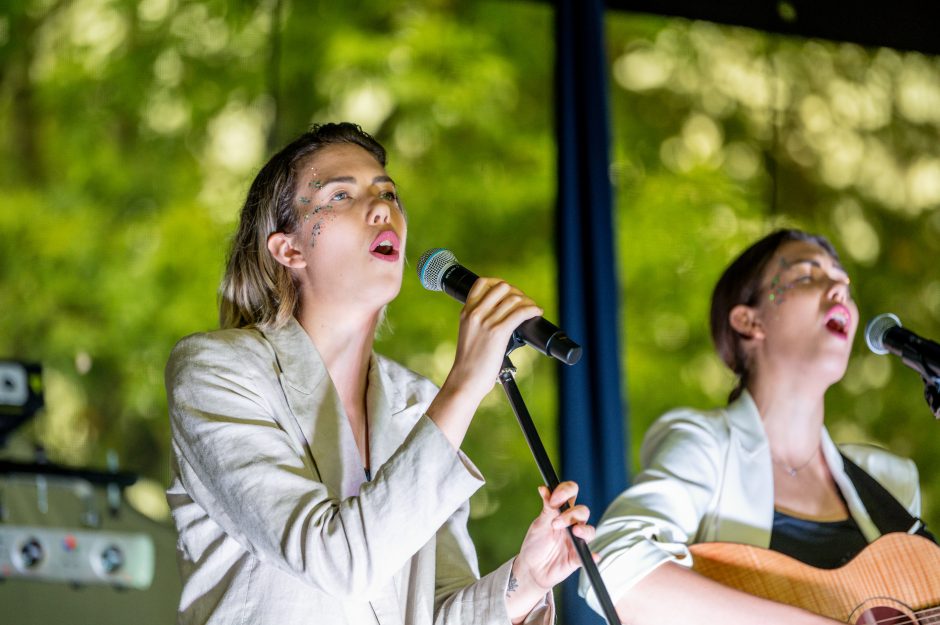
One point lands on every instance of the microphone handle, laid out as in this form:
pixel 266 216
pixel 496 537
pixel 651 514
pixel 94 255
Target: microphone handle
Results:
pixel 457 282
pixel 539 333
pixel 918 353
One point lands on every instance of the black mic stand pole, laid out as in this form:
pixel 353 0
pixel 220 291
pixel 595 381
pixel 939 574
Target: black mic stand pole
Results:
pixel 508 382
pixel 931 387
pixel 918 361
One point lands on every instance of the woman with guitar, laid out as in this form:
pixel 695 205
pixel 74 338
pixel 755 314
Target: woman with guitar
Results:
pixel 763 470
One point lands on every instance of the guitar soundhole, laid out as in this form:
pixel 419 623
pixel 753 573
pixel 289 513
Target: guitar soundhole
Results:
pixel 883 615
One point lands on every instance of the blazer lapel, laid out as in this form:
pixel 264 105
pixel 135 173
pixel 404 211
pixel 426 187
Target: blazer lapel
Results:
pixel 388 427
pixel 317 420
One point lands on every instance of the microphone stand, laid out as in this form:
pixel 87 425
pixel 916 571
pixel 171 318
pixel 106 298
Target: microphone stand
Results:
pixel 932 394
pixel 929 374
pixel 508 383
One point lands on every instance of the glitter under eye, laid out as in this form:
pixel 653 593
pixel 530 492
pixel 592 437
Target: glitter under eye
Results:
pixel 315 232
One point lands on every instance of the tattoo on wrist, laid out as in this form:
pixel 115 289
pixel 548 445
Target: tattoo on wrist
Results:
pixel 512 585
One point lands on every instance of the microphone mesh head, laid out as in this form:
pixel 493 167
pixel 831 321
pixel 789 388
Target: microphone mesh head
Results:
pixel 432 265
pixel 876 329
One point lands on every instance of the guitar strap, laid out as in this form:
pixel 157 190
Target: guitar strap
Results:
pixel 888 514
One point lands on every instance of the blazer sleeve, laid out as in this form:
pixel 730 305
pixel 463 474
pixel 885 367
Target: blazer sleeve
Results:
pixel 243 469
pixel 654 520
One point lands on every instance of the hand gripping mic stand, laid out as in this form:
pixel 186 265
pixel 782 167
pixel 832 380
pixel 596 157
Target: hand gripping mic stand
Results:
pixel 508 383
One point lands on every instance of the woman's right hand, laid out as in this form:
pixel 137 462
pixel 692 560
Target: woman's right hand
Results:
pixel 493 310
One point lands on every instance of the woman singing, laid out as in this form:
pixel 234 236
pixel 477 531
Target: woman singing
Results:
pixel 314 480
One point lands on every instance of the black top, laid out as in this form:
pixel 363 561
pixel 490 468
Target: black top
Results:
pixel 825 545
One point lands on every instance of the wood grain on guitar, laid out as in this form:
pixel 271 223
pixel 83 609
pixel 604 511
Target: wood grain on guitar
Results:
pixel 894 581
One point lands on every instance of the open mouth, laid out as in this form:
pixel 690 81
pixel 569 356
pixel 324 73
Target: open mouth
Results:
pixel 838 320
pixel 385 246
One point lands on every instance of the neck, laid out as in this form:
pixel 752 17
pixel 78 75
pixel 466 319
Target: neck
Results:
pixel 344 341
pixel 792 412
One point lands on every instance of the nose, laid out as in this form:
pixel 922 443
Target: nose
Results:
pixel 839 289
pixel 379 212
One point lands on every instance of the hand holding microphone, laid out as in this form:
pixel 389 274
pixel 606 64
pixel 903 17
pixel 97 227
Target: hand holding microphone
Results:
pixel 439 270
pixel 493 309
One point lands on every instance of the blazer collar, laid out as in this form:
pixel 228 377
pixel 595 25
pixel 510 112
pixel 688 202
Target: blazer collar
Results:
pixel 297 357
pixel 385 401
pixel 743 413
pixel 318 412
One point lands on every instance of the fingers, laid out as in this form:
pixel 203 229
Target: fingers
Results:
pixel 492 302
pixel 565 491
pixel 576 515
pixel 585 532
pixel 571 516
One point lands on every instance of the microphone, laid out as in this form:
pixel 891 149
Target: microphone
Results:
pixel 439 270
pixel 884 334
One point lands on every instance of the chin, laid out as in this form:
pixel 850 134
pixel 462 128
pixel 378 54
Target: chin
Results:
pixel 391 292
pixel 833 372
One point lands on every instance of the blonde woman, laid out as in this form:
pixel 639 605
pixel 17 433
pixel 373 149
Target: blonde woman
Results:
pixel 314 480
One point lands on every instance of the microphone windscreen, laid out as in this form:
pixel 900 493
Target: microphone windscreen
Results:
pixel 876 329
pixel 432 265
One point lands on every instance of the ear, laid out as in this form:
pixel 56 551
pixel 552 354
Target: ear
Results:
pixel 744 321
pixel 282 248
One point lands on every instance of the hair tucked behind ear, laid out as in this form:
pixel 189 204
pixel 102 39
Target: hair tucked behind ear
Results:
pixel 741 284
pixel 256 289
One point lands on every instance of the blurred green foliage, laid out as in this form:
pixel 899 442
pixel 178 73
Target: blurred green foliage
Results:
pixel 133 129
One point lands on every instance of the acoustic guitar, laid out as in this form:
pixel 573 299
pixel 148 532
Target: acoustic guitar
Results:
pixel 893 581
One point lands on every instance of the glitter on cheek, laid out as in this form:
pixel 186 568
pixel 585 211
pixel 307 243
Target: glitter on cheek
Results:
pixel 776 295
pixel 327 208
pixel 777 291
pixel 315 232
pixel 304 200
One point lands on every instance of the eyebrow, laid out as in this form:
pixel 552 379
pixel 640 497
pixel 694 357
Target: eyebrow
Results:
pixel 815 263
pixel 375 180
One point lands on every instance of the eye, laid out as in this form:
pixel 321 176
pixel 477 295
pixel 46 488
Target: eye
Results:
pixel 389 196
pixel 339 196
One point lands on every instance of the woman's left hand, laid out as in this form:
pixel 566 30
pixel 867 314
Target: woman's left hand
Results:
pixel 547 555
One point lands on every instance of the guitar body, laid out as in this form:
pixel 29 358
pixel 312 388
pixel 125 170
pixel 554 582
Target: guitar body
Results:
pixel 894 581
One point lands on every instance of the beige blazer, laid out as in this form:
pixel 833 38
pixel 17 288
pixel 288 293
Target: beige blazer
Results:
pixel 708 476
pixel 276 522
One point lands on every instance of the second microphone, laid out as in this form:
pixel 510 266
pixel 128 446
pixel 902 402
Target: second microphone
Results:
pixel 439 270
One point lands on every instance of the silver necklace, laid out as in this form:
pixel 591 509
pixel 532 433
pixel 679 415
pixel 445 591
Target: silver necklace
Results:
pixel 792 471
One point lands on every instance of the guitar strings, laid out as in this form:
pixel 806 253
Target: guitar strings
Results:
pixel 903 618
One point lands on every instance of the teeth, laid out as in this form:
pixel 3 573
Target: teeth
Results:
pixel 840 319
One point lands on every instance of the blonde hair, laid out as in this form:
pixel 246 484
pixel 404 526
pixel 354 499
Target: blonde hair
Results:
pixel 256 289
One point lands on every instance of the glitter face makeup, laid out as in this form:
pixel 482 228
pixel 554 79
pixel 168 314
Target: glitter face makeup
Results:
pixel 327 207
pixel 328 215
pixel 776 289
pixel 315 232
pixel 803 271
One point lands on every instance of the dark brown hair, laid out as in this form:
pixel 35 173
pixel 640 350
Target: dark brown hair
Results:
pixel 741 284
pixel 256 289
